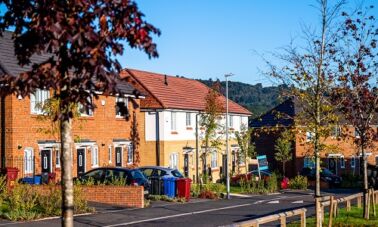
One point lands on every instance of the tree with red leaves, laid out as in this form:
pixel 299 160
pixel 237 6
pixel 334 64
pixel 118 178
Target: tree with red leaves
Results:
pixel 357 75
pixel 81 40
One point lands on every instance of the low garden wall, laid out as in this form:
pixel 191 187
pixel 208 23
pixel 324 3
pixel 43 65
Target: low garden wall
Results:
pixel 126 196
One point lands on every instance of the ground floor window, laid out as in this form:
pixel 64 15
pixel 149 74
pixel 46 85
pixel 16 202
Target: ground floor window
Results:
pixel 308 162
pixel 173 160
pixel 94 156
pixel 110 154
pixel 214 159
pixel 28 160
pixel 342 162
pixel 353 162
pixel 57 158
pixel 130 153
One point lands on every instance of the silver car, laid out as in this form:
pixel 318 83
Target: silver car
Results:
pixel 159 171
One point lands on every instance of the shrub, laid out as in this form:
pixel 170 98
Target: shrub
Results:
pixel 215 188
pixel 351 181
pixel 299 182
pixel 206 194
pixel 272 183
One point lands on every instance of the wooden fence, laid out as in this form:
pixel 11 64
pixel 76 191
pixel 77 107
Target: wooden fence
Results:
pixel 333 204
pixel 281 217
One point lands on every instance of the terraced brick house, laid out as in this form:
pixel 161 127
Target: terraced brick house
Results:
pixel 102 136
pixel 172 110
pixel 342 158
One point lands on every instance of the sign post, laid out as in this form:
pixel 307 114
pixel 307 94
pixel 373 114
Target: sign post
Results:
pixel 262 164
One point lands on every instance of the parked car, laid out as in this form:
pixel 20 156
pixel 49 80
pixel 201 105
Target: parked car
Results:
pixel 254 174
pixel 105 175
pixel 158 171
pixel 325 175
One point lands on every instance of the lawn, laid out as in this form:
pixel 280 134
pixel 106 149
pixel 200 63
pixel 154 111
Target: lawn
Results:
pixel 351 218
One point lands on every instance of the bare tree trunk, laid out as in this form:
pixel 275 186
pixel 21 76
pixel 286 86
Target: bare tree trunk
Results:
pixel 283 168
pixel 67 182
pixel 366 186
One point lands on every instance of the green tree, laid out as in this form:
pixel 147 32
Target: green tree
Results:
pixel 80 41
pixel 283 148
pixel 308 72
pixel 357 88
pixel 246 148
pixel 210 121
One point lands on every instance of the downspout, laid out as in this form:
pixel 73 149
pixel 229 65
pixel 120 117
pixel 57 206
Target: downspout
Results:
pixel 157 128
pixel 2 112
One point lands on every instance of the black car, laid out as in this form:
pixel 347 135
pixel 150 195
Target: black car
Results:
pixel 107 174
pixel 325 175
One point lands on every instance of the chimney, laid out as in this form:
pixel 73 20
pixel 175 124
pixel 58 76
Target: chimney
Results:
pixel 165 80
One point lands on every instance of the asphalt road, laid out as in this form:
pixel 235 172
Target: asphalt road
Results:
pixel 196 213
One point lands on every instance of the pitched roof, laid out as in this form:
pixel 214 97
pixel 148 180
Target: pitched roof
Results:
pixel 178 92
pixel 9 63
pixel 282 115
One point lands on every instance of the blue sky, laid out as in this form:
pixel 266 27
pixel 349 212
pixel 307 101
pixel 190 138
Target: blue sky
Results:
pixel 209 38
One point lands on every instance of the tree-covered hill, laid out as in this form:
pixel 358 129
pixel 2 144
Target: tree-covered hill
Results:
pixel 255 98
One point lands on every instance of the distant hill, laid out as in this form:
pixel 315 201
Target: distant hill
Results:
pixel 255 98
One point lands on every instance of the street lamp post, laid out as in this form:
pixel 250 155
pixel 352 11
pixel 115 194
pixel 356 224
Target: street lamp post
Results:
pixel 227 152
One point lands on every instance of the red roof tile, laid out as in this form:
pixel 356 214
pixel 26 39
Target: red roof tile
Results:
pixel 179 93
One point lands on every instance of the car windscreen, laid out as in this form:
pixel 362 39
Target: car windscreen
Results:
pixel 177 173
pixel 136 174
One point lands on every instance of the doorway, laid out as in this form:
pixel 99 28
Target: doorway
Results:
pixel 46 161
pixel 80 161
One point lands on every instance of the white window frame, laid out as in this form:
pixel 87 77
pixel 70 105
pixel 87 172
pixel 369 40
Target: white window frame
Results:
pixel 94 156
pixel 37 100
pixel 342 162
pixel 231 121
pixel 130 153
pixel 28 160
pixel 356 134
pixel 188 116
pixel 90 111
pixel 57 158
pixel 173 160
pixel 173 121
pixel 124 100
pixel 353 162
pixel 214 159
pixel 336 131
pixel 110 154
pixel 309 136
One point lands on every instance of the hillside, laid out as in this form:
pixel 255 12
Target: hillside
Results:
pixel 255 98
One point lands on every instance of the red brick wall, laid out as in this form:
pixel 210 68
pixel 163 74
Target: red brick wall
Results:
pixel 23 130
pixel 126 196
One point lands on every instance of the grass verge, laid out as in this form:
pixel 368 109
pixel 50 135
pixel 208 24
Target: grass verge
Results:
pixel 345 218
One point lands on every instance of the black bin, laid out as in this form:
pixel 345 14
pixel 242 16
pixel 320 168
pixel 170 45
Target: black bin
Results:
pixel 45 178
pixel 156 187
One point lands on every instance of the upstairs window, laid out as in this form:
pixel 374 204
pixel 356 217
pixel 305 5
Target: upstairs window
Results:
pixel 121 107
pixel 37 100
pixel 86 110
pixel 309 136
pixel 173 121
pixel 57 158
pixel 188 119
pixel 336 131
pixel 356 134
